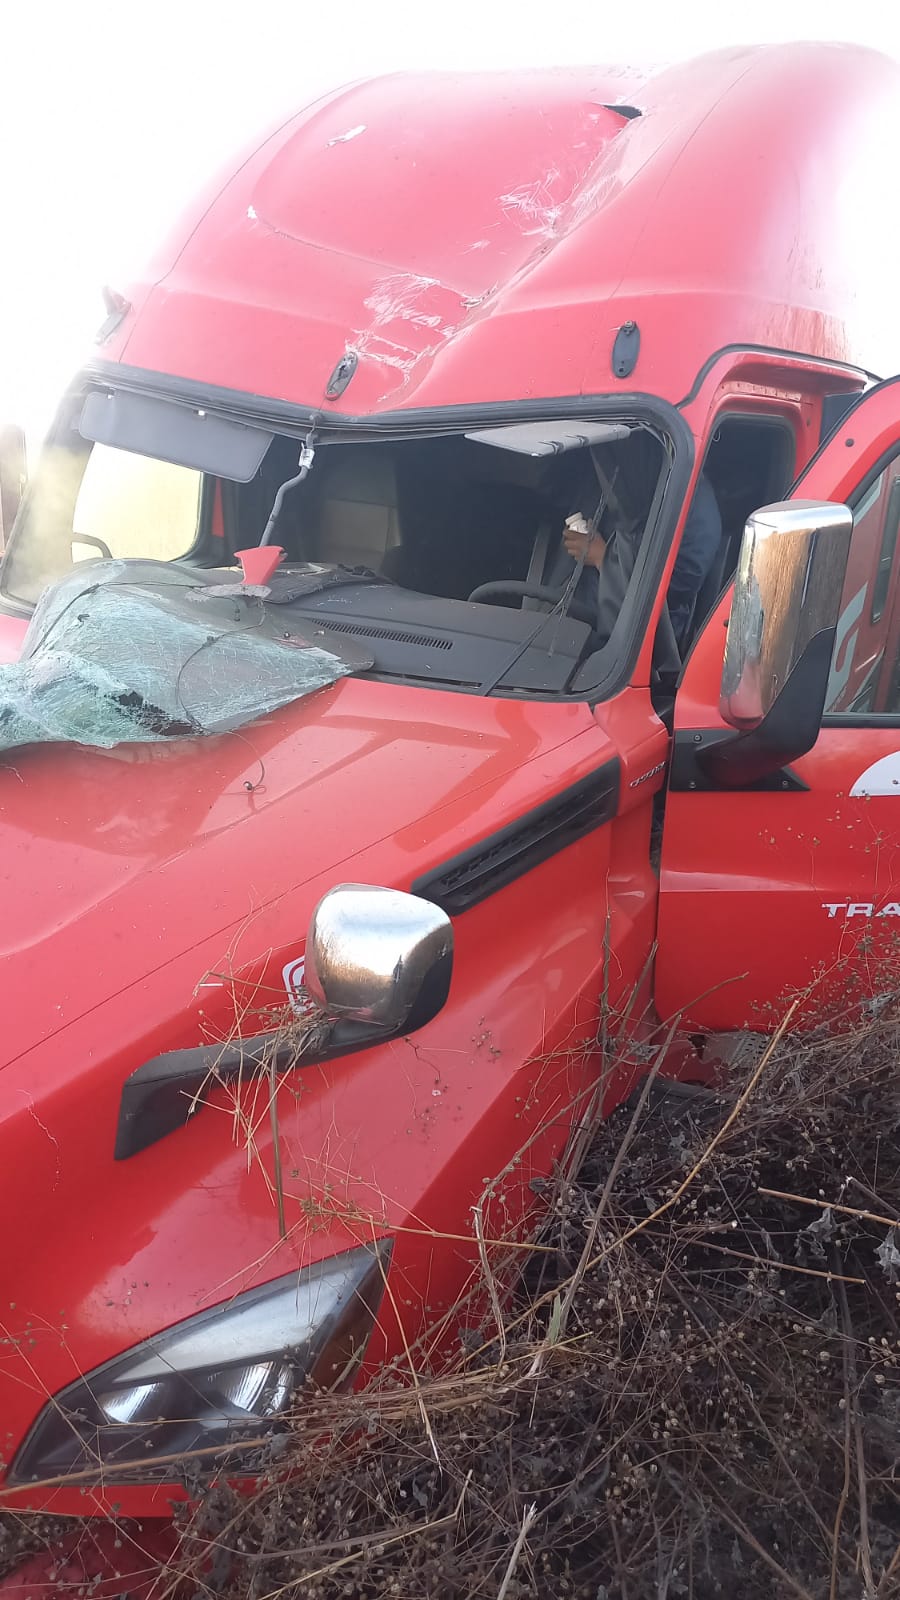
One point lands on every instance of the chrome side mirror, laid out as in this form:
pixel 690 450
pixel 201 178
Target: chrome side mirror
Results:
pixel 12 477
pixel 379 956
pixel 787 600
pixel 787 590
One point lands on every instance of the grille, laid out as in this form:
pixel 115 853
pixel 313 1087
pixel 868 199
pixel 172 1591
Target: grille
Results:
pixel 366 630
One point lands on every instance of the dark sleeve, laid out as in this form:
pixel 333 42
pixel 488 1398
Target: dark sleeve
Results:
pixel 699 544
pixel 614 578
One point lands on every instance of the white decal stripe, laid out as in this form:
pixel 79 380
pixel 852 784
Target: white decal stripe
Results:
pixel 883 777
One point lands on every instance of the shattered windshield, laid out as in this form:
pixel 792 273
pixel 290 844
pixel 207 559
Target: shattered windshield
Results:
pixel 127 651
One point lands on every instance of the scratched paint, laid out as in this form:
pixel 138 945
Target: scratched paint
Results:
pixel 413 316
pixel 536 205
pixel 407 323
pixel 344 138
pixel 395 297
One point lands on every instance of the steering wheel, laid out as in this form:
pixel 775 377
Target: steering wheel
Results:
pixel 98 544
pixel 516 588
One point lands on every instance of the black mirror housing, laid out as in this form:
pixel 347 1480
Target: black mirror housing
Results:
pixel 789 729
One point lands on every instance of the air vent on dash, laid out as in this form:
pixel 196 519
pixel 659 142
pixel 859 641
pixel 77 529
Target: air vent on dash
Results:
pixel 504 856
pixel 365 630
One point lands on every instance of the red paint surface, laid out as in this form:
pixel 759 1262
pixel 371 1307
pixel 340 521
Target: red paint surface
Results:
pixel 107 1561
pixel 481 239
pixel 164 897
pixel 484 235
pixel 748 879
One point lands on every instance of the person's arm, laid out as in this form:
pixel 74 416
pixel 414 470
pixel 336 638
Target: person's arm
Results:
pixel 583 544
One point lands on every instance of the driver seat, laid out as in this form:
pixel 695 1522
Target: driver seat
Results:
pixel 540 566
pixel 358 522
pixel 459 534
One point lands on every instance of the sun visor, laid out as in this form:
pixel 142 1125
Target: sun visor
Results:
pixel 189 437
pixel 551 438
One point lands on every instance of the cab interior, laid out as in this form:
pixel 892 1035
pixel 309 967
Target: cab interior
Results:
pixel 440 516
pixel 445 516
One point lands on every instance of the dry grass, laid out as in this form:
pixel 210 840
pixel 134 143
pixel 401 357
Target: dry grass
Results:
pixel 694 1392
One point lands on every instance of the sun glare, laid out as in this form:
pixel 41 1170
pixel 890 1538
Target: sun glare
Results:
pixel 111 115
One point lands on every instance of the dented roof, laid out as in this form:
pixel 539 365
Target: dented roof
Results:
pixel 454 239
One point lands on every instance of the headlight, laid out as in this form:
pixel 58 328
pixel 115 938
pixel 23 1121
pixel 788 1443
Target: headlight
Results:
pixel 223 1374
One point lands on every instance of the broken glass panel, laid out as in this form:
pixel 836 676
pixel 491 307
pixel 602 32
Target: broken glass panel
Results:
pixel 125 651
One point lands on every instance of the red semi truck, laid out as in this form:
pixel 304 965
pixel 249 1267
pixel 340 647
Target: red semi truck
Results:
pixel 447 312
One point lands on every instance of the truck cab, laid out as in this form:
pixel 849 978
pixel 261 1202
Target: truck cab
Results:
pixel 303 1009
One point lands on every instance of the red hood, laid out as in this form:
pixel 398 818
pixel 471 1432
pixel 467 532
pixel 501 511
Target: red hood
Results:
pixel 12 634
pixel 136 883
pixel 113 864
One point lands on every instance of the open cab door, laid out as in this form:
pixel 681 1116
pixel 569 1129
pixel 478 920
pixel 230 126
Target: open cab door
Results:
pixel 780 868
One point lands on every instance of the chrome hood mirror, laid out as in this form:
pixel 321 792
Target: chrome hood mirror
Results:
pixel 379 956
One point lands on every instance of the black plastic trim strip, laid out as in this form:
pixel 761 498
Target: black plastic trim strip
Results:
pixel 238 404
pixel 498 860
pixel 194 392
pixel 860 719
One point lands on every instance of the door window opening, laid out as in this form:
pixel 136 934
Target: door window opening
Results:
pixel 749 463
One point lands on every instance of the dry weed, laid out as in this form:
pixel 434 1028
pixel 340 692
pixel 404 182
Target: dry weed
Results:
pixel 694 1391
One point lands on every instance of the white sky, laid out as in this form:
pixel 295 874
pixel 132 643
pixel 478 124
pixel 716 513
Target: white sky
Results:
pixel 112 113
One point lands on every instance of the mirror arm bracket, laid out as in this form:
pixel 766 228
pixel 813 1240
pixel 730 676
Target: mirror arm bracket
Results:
pixel 165 1093
pixel 760 757
pixel 404 993
pixel 692 761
